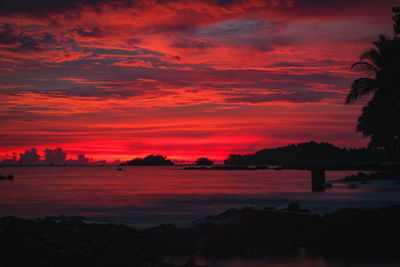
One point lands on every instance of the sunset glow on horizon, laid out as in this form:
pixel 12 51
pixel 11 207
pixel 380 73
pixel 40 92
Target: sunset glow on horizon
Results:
pixel 184 79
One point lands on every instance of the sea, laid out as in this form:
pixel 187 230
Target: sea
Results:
pixel 147 196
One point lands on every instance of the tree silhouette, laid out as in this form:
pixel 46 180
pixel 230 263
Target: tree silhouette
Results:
pixel 151 160
pixel 380 118
pixel 396 18
pixel 204 161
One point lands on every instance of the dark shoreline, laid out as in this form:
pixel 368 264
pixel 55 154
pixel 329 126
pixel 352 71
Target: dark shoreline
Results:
pixel 374 176
pixel 247 232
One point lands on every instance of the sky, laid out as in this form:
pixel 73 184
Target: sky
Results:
pixel 185 79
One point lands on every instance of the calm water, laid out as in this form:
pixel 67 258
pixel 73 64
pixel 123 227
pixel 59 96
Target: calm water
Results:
pixel 302 261
pixel 145 196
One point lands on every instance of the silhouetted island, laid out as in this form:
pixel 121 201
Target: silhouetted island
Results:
pixel 204 162
pixel 249 233
pixel 150 160
pixel 308 154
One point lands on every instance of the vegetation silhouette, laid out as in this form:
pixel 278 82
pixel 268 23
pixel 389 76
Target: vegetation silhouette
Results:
pixel 56 156
pixel 52 157
pixel 204 162
pixel 380 118
pixel 308 154
pixel 30 157
pixel 150 160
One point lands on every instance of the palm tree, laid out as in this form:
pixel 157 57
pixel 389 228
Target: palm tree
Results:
pixel 380 118
pixel 374 62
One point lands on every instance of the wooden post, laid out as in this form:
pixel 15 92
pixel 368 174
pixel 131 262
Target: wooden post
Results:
pixel 317 179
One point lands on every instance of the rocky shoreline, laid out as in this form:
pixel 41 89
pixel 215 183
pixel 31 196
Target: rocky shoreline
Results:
pixel 374 176
pixel 246 232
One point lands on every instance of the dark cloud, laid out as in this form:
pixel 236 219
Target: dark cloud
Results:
pixel 90 31
pixel 187 43
pixel 134 41
pixel 254 34
pixel 48 7
pixel 335 8
pixel 42 8
pixel 246 3
pixel 112 91
pixel 72 8
pixel 304 96
pixel 226 2
pixel 48 38
pixel 91 92
pixel 10 36
pixel 121 81
pixel 27 42
pixel 260 45
pixel 311 63
pixel 289 64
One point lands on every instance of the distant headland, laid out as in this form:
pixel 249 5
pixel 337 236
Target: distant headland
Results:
pixel 150 160
pixel 307 154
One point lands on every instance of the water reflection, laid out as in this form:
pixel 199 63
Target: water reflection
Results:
pixel 144 196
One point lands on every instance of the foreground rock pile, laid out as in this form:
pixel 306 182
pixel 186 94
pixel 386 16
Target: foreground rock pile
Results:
pixel 246 232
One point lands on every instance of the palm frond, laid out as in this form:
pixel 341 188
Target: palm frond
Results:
pixel 365 66
pixel 382 42
pixel 373 55
pixel 359 88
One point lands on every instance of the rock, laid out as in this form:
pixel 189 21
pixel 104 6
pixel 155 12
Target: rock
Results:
pixel 352 186
pixel 293 207
pixel 245 232
pixel 191 263
pixel 8 177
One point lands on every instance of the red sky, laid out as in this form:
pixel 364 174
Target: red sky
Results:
pixel 183 78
